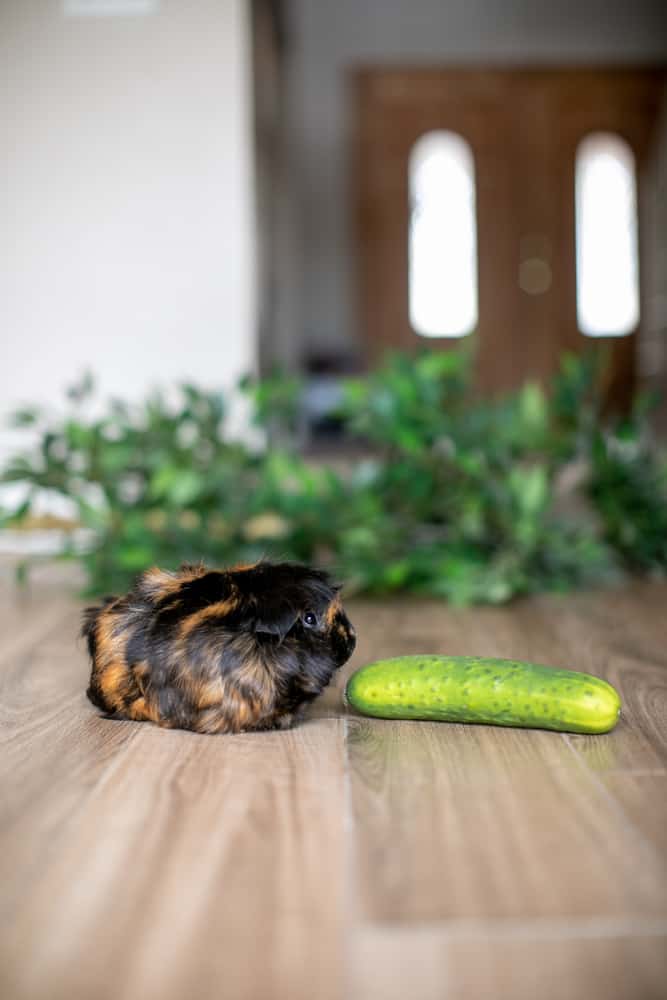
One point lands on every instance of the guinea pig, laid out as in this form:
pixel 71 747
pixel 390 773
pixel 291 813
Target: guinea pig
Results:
pixel 217 651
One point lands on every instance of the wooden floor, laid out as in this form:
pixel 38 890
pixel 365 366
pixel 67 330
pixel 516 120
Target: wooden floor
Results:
pixel 348 858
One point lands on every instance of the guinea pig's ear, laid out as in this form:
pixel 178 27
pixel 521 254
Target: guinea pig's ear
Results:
pixel 275 618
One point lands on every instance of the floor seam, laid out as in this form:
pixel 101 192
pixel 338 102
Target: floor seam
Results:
pixel 537 928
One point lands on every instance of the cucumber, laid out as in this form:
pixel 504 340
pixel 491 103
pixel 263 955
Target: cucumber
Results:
pixel 492 691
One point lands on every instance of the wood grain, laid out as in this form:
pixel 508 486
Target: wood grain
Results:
pixel 349 858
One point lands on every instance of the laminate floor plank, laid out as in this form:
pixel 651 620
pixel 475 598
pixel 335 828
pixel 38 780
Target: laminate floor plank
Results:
pixel 193 866
pixel 349 858
pixel 643 798
pixel 553 961
pixel 143 863
pixel 480 829
pixel 621 636
pixel 488 829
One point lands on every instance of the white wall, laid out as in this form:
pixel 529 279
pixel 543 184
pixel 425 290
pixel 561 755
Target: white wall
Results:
pixel 329 38
pixel 127 236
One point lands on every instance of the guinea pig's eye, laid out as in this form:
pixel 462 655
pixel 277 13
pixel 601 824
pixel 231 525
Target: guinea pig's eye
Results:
pixel 309 619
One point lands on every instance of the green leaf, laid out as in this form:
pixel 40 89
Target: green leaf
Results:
pixel 80 391
pixel 178 487
pixel 77 435
pixel 533 407
pixel 530 487
pixel 134 557
pixel 26 417
pixel 16 516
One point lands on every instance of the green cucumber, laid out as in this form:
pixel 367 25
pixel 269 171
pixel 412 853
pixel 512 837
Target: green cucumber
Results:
pixel 477 689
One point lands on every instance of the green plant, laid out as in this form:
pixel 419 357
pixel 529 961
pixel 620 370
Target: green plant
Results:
pixel 465 487
pixel 629 488
pixel 163 482
pixel 458 497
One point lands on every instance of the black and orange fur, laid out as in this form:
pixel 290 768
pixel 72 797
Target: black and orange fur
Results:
pixel 217 651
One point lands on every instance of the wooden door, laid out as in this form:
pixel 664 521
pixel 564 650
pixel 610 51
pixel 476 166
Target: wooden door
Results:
pixel 523 127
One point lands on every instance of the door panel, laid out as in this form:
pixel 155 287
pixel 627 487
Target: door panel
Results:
pixel 524 128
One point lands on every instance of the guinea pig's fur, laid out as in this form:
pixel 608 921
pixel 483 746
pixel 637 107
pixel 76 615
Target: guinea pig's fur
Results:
pixel 217 651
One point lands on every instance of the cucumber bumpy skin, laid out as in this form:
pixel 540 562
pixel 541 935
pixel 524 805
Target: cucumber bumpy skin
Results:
pixel 481 690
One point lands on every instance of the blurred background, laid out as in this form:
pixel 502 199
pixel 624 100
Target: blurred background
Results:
pixel 197 192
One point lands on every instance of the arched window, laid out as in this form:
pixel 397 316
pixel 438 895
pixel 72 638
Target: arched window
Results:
pixel 443 236
pixel 606 225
